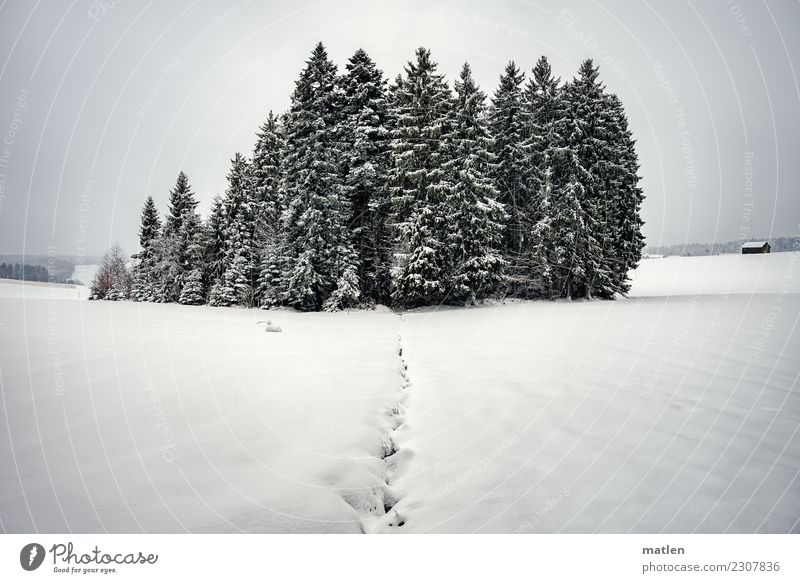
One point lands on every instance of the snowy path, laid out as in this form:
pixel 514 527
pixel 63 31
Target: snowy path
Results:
pixel 377 505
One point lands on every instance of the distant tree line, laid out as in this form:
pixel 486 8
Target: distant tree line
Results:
pixel 23 271
pixel 777 245
pixel 407 194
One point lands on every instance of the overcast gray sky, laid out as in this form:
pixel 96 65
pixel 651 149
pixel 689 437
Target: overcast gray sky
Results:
pixel 103 102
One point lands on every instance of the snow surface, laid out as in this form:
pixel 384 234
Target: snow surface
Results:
pixel 763 273
pixel 85 273
pixel 674 410
pixel 17 289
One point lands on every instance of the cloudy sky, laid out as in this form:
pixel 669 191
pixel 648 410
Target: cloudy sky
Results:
pixel 102 102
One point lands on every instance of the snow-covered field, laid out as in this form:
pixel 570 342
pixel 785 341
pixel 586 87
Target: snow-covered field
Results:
pixel 674 410
pixel 30 290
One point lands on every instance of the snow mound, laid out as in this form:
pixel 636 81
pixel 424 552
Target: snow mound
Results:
pixel 269 326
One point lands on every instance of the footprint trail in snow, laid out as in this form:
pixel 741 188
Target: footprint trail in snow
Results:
pixel 381 510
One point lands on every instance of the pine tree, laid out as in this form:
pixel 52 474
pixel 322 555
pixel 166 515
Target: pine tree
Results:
pixel 192 292
pixel 543 106
pixel 145 274
pixel 318 249
pixel 421 108
pixel 180 238
pixel 475 216
pixel 347 293
pixel 422 281
pixel 507 126
pixel 270 289
pixel 366 161
pixel 550 167
pixel 266 165
pixel 268 235
pixel 543 272
pixel 235 287
pixel 192 236
pixel 589 139
pixel 569 259
pixel 623 181
pixel 181 203
pixel 361 194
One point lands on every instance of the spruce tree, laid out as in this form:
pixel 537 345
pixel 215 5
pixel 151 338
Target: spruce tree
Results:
pixel 145 270
pixel 181 202
pixel 270 286
pixel 550 168
pixel 361 194
pixel 269 205
pixel 507 126
pixel 421 108
pixel 569 259
pixel 623 181
pixel 192 293
pixel 214 243
pixel 366 161
pixel 180 238
pixel 235 287
pixel 475 216
pixel 543 269
pixel 589 139
pixel 318 249
pixel 191 235
pixel 543 107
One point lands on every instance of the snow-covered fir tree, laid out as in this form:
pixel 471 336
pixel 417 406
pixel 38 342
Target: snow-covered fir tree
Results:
pixel 318 249
pixel 145 274
pixel 421 105
pixel 181 202
pixel 507 126
pixel 268 236
pixel 179 241
pixel 623 180
pixel 365 148
pixel 543 105
pixel 191 235
pixel 235 285
pixel 547 123
pixel 193 293
pixel 589 139
pixel 214 243
pixel 475 216
pixel 542 266
pixel 409 195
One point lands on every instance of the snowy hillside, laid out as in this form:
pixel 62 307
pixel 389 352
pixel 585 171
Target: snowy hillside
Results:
pixel 85 273
pixel 673 410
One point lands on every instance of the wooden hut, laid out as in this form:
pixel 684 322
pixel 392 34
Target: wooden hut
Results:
pixel 756 247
